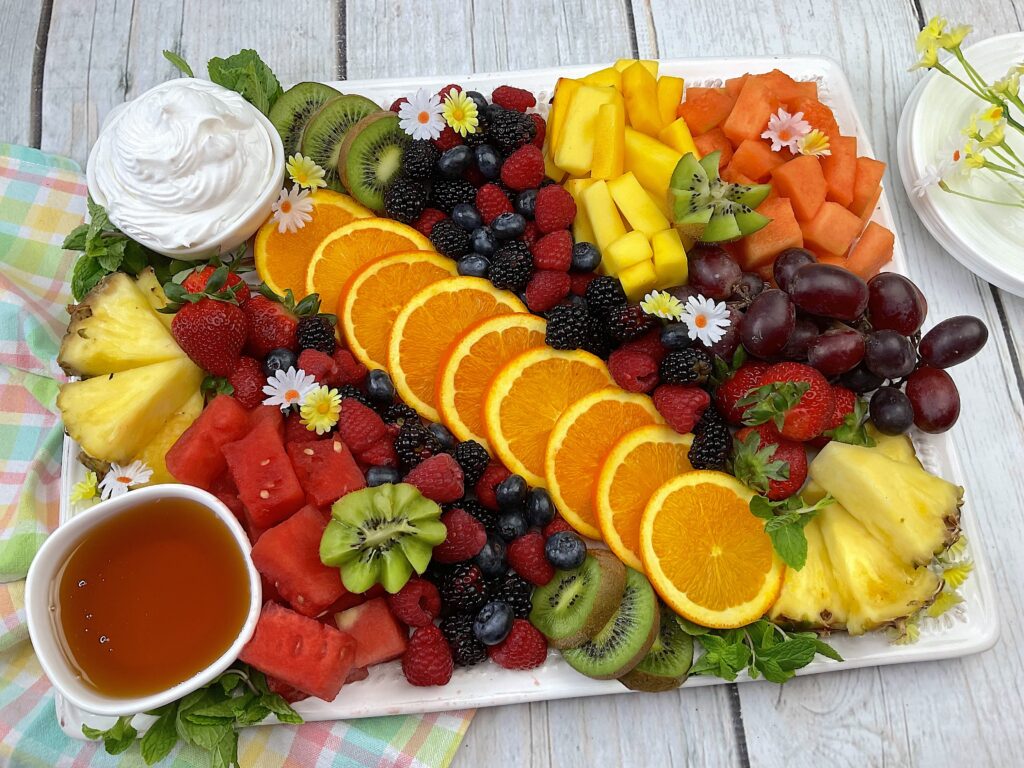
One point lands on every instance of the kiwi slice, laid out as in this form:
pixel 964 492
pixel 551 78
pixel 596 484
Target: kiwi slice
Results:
pixel 668 662
pixel 627 636
pixel 327 130
pixel 706 208
pixel 292 112
pixel 574 605
pixel 371 157
pixel 381 535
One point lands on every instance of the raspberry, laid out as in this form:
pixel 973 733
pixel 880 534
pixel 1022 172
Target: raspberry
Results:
pixel 649 344
pixel 580 282
pixel 397 103
pixel 513 98
pixel 488 481
pixel 430 216
pixel 735 388
pixel 524 648
pixel 556 526
pixel 317 364
pixel 473 176
pixel 350 370
pixel 553 251
pixel 448 139
pixel 492 202
pixel 523 169
pixel 417 604
pixel 439 478
pixel 545 289
pixel 531 234
pixel 446 91
pixel 526 557
pixel 247 379
pixel 427 659
pixel 633 370
pixel 681 406
pixel 359 427
pixel 380 454
pixel 555 209
pixel 465 538
pixel 542 129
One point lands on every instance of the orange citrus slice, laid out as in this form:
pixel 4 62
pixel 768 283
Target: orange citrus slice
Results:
pixel 580 440
pixel 637 465
pixel 526 398
pixel 348 248
pixel 375 294
pixel 282 258
pixel 428 324
pixel 472 363
pixel 706 554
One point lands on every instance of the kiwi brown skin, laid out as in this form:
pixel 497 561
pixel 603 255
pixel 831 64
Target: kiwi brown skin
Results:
pixel 606 603
pixel 630 663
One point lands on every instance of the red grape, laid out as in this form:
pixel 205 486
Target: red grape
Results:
pixel 787 263
pixel 836 351
pixel 767 324
pixel 889 354
pixel 726 346
pixel 713 272
pixel 935 399
pixel 748 286
pixel 895 303
pixel 829 291
pixel 861 380
pixel 891 411
pixel 803 334
pixel 953 340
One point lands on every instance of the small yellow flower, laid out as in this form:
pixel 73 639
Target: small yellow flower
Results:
pixel 952 39
pixel 973 156
pixel 85 490
pixel 320 410
pixel 971 130
pixel 305 172
pixel 929 36
pixel 815 144
pixel 460 113
pixel 995 137
pixel 1007 86
pixel 929 58
pixel 662 304
pixel 991 115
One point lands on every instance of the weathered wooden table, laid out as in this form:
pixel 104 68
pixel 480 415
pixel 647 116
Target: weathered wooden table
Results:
pixel 67 62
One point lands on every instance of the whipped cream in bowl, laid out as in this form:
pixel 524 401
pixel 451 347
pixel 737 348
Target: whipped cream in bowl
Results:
pixel 188 168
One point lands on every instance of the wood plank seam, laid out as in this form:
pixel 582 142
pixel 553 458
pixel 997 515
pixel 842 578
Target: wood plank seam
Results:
pixel 341 39
pixel 38 65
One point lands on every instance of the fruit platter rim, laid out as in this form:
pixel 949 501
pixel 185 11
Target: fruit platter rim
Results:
pixel 385 691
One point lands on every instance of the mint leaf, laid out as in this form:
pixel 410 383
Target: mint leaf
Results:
pixel 225 751
pixel 75 240
pixel 179 63
pixel 693 630
pixel 161 736
pixel 784 524
pixel 281 709
pixel 826 650
pixel 771 670
pixel 247 74
pixel 88 271
pixel 117 738
pixel 794 653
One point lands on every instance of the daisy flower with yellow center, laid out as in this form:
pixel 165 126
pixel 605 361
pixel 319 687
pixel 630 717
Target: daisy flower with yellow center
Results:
pixel 288 388
pixel 662 304
pixel 320 410
pixel 785 130
pixel 305 172
pixel 460 113
pixel 420 115
pixel 86 489
pixel 119 479
pixel 814 144
pixel 705 319
pixel 292 209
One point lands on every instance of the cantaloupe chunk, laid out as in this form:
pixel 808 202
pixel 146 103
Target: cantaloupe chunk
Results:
pixel 832 229
pixel 731 174
pixel 609 76
pixel 749 117
pixel 677 135
pixel 872 252
pixel 754 158
pixel 760 249
pixel 574 151
pixel 869 207
pixel 640 92
pixel 603 215
pixel 866 185
pixel 564 90
pixel 651 65
pixel 840 169
pixel 802 181
pixel 636 206
pixel 650 161
pixel 835 259
pixel 817 114
pixel 735 84
pixel 712 141
pixel 670 93
pixel 705 108
pixel 785 88
pixel 609 147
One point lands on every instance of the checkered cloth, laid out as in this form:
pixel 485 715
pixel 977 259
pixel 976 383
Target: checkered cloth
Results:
pixel 42 198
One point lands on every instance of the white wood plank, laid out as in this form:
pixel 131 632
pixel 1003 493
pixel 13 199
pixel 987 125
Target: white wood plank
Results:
pixel 21 19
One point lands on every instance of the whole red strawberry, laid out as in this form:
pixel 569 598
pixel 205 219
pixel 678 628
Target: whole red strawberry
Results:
pixel 795 397
pixel 439 478
pixel 735 388
pixel 465 536
pixel 428 658
pixel 774 467
pixel 846 423
pixel 198 280
pixel 416 604
pixel 247 380
pixel 212 333
pixel 526 557
pixel 681 406
pixel 524 648
pixel 271 325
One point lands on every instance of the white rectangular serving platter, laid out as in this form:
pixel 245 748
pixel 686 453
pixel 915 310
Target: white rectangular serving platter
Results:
pixel 972 628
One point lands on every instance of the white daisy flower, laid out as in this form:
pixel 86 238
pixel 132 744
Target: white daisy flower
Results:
pixel 119 479
pixel 662 304
pixel 949 164
pixel 706 319
pixel 288 388
pixel 786 130
pixel 292 209
pixel 420 116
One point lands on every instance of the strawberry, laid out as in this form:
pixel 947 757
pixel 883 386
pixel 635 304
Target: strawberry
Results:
pixel 846 423
pixel 524 648
pixel 274 320
pixel 774 468
pixel 212 333
pixel 247 380
pixel 735 388
pixel 428 658
pixel 198 280
pixel 795 397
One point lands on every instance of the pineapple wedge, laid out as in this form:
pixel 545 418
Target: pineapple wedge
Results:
pixel 915 513
pixel 155 451
pixel 154 293
pixel 113 417
pixel 114 328
pixel 811 597
pixel 896 447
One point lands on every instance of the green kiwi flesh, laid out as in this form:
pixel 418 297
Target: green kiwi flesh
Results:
pixel 326 132
pixel 668 662
pixel 625 639
pixel 292 112
pixel 706 208
pixel 574 605
pixel 371 157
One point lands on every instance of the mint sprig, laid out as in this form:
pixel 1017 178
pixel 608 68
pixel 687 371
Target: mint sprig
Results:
pixel 244 72
pixel 784 524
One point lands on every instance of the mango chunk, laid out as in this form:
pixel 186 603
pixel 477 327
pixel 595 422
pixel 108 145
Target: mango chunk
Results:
pixel 609 76
pixel 564 90
pixel 574 151
pixel 670 94
pixel 582 230
pixel 677 135
pixel 650 161
pixel 632 248
pixel 661 203
pixel 651 65
pixel 609 147
pixel 640 91
pixel 638 279
pixel 635 205
pixel 670 265
pixel 603 215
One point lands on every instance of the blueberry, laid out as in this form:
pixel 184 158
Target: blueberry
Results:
pixel 280 359
pixel 526 202
pixel 493 623
pixel 444 437
pixel 565 550
pixel 511 492
pixel 380 475
pixel 379 387
pixel 540 510
pixel 512 525
pixel 488 161
pixel 466 216
pixel 478 99
pixel 585 257
pixel 473 265
pixel 508 225
pixel 482 241
pixel 453 162
pixel 675 336
pixel 491 559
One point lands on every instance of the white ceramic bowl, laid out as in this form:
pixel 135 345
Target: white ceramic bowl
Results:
pixel 41 583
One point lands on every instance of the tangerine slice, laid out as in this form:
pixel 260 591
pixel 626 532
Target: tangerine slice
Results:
pixel 375 294
pixel 472 363
pixel 706 554
pixel 282 258
pixel 526 398
pixel 428 324
pixel 637 465
pixel 580 440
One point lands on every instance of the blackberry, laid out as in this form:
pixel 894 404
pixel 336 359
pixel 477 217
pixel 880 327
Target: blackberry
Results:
pixel 597 340
pixel 473 459
pixel 711 446
pixel 405 200
pixel 450 239
pixel 399 414
pixel 510 130
pixel 419 158
pixel 629 322
pixel 514 590
pixel 350 391
pixel 511 266
pixel 447 193
pixel 488 517
pixel 569 326
pixel 463 590
pixel 685 366
pixel 467 650
pixel 605 295
pixel 482 134
pixel 415 443
pixel 316 332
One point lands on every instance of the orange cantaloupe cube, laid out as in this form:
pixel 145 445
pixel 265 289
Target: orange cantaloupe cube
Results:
pixel 835 259
pixel 840 169
pixel 869 207
pixel 785 88
pixel 808 89
pixel 731 174
pixel 754 158
pixel 783 231
pixel 872 252
pixel 712 141
pixel 832 229
pixel 735 84
pixel 817 114
pixel 749 117
pixel 705 108
pixel 866 184
pixel 802 181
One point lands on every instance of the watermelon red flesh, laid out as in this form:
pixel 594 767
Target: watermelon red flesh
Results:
pixel 196 458
pixel 266 482
pixel 350 599
pixel 287 692
pixel 289 556
pixel 378 634
pixel 326 470
pixel 301 652
pixel 272 415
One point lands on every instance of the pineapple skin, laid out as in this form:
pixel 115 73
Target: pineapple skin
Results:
pixel 810 597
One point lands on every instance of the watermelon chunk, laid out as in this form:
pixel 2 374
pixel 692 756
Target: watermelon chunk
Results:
pixel 287 692
pixel 269 414
pixel 379 635
pixel 196 458
pixel 289 556
pixel 266 482
pixel 301 652
pixel 326 470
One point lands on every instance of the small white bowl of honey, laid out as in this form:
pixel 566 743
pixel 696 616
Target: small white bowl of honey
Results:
pixel 142 599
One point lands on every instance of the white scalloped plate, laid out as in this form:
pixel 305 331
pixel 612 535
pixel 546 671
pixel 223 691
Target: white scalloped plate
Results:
pixel 972 629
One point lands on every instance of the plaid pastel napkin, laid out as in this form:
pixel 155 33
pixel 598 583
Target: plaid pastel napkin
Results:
pixel 42 198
